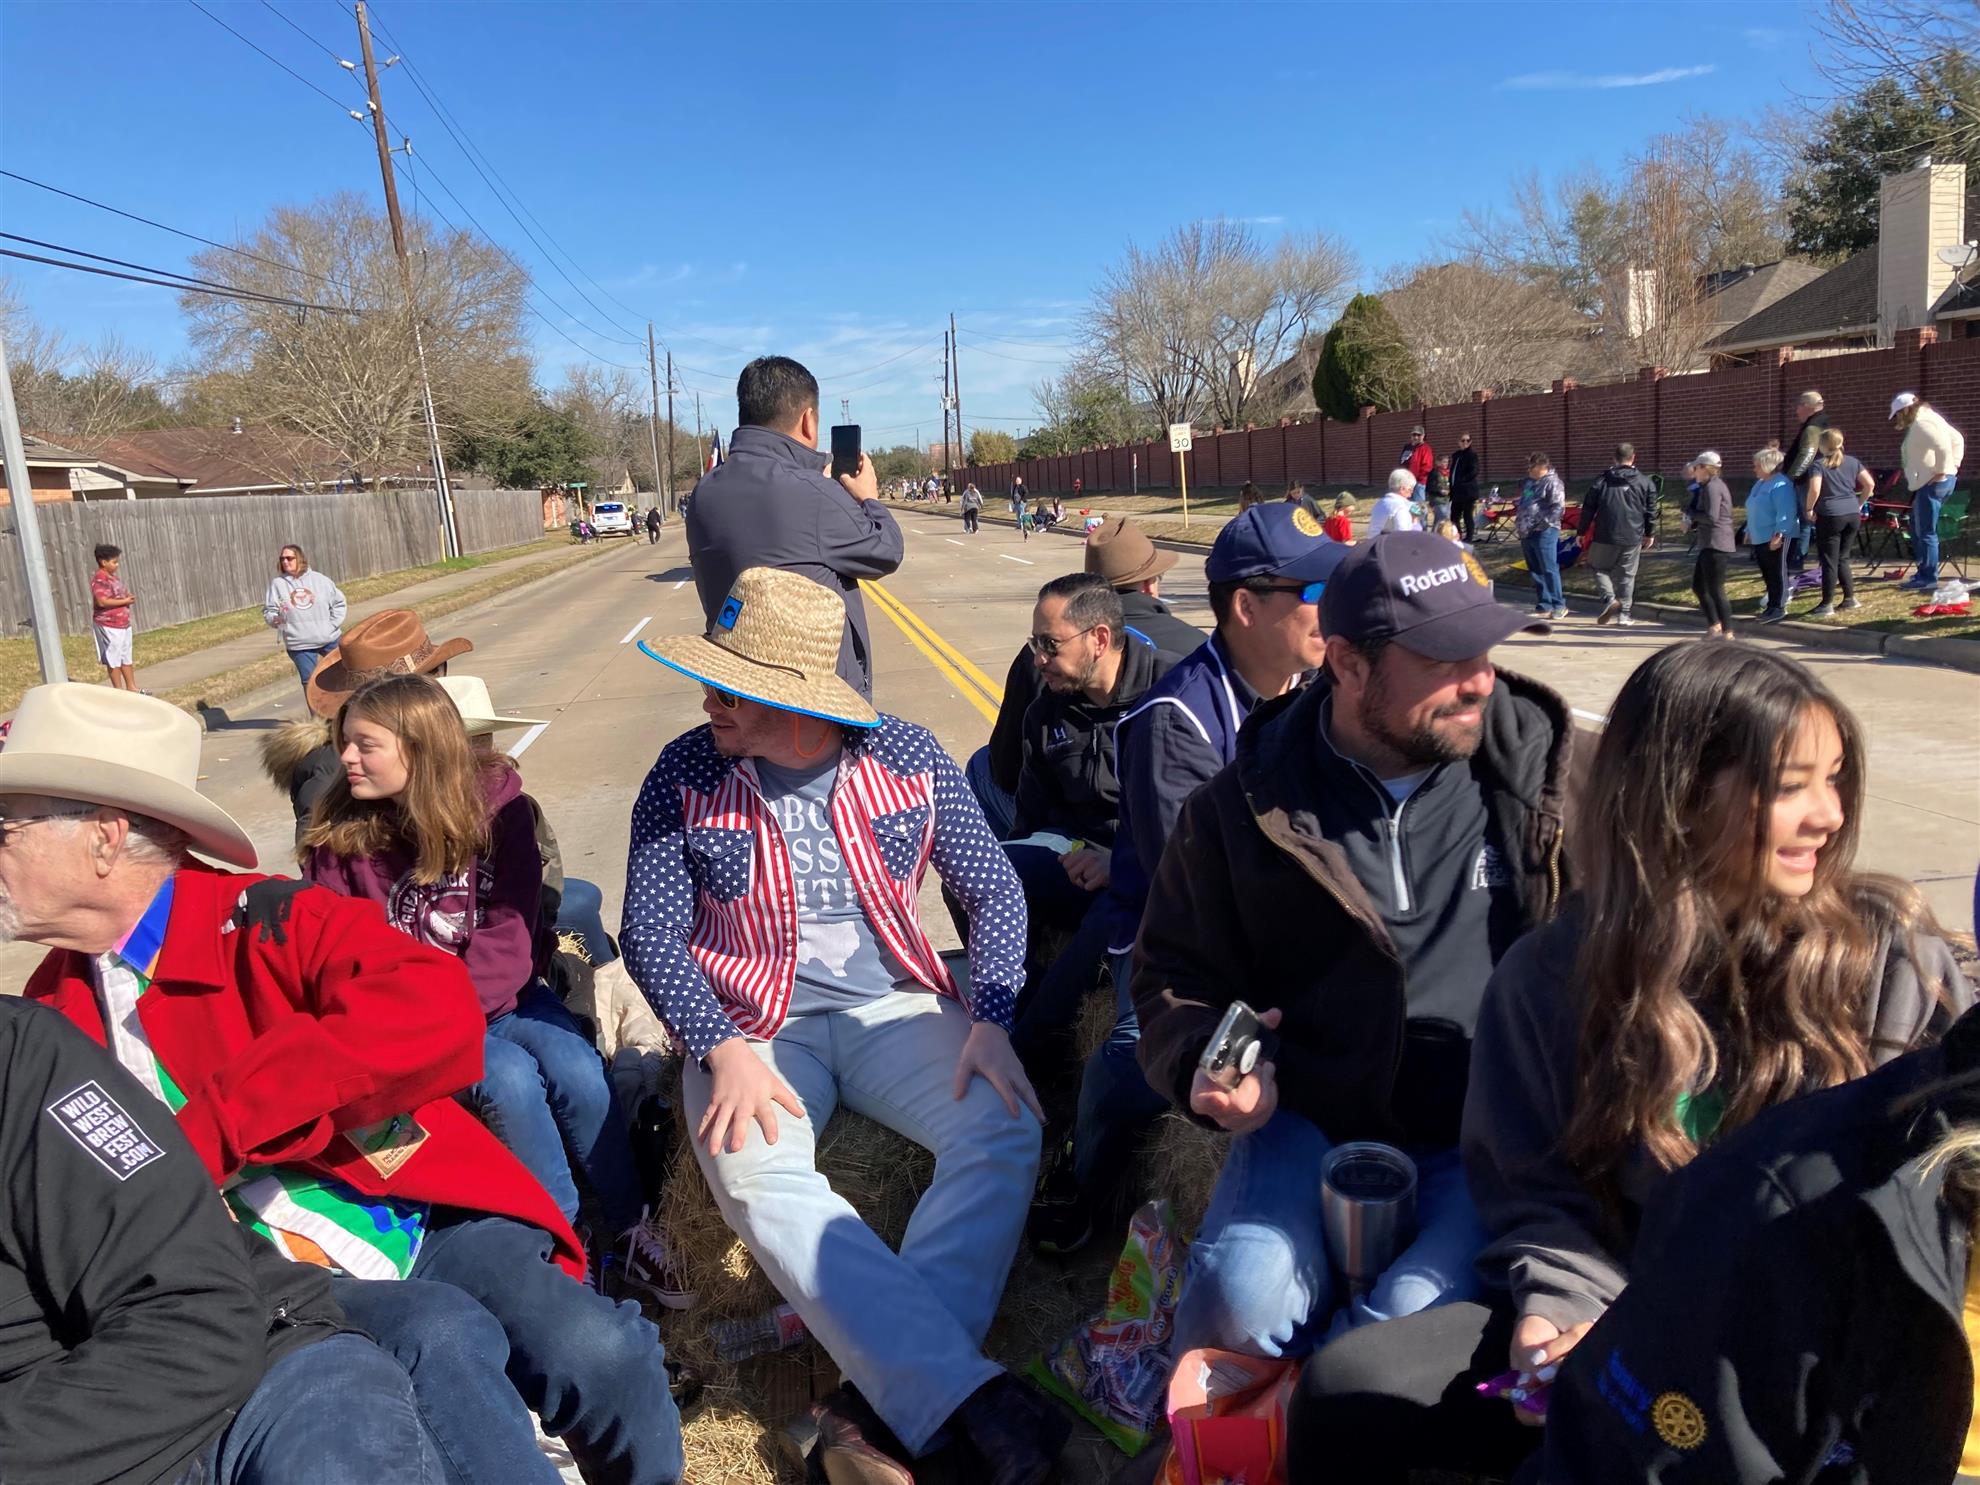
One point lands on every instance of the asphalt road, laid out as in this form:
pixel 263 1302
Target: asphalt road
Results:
pixel 945 628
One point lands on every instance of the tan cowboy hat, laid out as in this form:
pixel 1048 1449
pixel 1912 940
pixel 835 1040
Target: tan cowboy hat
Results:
pixel 469 693
pixel 117 748
pixel 1120 551
pixel 390 643
pixel 775 641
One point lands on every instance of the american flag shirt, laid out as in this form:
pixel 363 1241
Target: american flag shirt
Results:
pixel 710 932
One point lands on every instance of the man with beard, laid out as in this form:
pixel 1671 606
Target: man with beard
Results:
pixel 1381 838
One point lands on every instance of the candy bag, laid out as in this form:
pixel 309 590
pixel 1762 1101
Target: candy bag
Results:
pixel 1227 1418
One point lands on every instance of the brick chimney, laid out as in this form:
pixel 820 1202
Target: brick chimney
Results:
pixel 1919 212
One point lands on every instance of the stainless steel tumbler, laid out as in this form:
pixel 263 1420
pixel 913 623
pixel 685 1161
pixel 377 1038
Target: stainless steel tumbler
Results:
pixel 1367 1208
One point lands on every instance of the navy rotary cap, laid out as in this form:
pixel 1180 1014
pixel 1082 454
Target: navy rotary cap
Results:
pixel 1421 591
pixel 1281 541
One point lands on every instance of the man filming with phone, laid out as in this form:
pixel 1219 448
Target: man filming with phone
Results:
pixel 1381 838
pixel 776 502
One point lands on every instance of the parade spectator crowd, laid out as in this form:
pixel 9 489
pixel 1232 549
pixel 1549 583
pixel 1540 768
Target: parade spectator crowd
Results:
pixel 315 1177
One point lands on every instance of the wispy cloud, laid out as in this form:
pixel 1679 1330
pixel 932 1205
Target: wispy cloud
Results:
pixel 1766 38
pixel 1558 81
pixel 1261 221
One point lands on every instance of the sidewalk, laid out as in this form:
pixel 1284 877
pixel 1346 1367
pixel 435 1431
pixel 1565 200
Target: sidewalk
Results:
pixel 230 658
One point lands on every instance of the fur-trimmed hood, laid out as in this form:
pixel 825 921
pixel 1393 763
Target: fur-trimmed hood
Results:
pixel 283 750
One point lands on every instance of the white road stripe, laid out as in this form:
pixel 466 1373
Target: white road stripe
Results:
pixel 526 739
pixel 952 541
pixel 680 585
pixel 1596 717
pixel 633 633
pixel 1009 558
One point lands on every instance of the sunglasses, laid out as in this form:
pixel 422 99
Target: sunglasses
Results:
pixel 10 825
pixel 727 700
pixel 1045 646
pixel 1308 592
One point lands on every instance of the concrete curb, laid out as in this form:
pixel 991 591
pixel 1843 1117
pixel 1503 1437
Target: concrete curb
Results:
pixel 1919 649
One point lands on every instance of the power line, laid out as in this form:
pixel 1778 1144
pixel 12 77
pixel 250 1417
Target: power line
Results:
pixel 1043 345
pixel 1006 356
pixel 306 36
pixel 165 283
pixel 176 232
pixel 234 289
pixel 341 108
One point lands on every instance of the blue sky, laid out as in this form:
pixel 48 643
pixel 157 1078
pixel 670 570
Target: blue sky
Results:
pixel 832 181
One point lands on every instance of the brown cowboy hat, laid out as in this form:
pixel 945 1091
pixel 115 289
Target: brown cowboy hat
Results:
pixel 1120 551
pixel 390 643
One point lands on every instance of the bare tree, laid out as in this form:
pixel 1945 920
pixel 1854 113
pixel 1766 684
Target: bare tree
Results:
pixel 1469 328
pixel 1194 324
pixel 350 381
pixel 1928 46
pixel 76 395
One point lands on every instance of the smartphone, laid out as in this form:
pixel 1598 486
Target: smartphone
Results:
pixel 1235 1047
pixel 845 449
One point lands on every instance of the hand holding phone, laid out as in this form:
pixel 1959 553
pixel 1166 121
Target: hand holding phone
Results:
pixel 845 450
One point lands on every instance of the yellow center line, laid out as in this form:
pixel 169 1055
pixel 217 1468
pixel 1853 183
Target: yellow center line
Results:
pixel 975 688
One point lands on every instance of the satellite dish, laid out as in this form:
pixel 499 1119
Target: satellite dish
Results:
pixel 1959 254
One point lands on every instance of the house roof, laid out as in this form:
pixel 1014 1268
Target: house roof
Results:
pixel 41 451
pixel 1841 300
pixel 1961 299
pixel 220 459
pixel 1736 294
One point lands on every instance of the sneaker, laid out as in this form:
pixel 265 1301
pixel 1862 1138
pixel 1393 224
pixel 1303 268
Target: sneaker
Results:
pixel 1625 621
pixel 650 1264
pixel 1541 611
pixel 1763 609
pixel 1061 1219
pixel 1915 585
pixel 1018 1433
pixel 1772 615
pixel 1849 603
pixel 1611 611
pixel 1559 613
pixel 1823 611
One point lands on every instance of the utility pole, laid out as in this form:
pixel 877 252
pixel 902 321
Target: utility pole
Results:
pixel 945 402
pixel 700 439
pixel 653 424
pixel 955 385
pixel 670 432
pixel 41 598
pixel 450 537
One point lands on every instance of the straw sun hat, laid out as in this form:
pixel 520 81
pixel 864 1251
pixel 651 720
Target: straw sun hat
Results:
pixel 135 753
pixel 775 641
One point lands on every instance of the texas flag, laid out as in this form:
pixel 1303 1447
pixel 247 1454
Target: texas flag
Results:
pixel 714 452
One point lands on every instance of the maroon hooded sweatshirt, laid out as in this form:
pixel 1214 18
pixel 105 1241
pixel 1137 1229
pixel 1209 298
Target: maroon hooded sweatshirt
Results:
pixel 486 915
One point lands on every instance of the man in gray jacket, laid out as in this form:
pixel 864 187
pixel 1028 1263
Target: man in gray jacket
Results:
pixel 771 504
pixel 1620 512
pixel 306 609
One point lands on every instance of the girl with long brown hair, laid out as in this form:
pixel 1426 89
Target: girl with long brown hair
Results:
pixel 443 838
pixel 1721 956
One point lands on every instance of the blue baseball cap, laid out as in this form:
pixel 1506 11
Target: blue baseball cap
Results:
pixel 1282 541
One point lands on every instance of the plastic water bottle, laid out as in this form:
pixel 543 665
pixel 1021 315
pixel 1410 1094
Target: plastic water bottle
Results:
pixel 774 1330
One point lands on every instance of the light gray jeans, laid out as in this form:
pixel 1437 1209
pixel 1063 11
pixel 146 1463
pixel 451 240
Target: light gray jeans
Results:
pixel 1619 563
pixel 907 1329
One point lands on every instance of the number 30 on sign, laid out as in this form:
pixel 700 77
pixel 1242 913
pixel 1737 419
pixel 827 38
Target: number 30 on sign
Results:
pixel 1179 438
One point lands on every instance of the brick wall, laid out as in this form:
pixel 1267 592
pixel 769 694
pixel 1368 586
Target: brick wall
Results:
pixel 1669 419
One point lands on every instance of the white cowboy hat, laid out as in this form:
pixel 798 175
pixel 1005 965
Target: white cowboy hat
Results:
pixel 469 693
pixel 775 641
pixel 136 753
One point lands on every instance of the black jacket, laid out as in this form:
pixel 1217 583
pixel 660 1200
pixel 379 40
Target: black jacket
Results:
pixel 1464 473
pixel 1068 783
pixel 1793 1313
pixel 1622 504
pixel 1252 900
pixel 1149 619
pixel 135 1317
pixel 771 505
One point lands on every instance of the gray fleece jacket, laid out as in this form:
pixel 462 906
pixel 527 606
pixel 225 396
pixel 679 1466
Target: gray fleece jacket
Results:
pixel 1555 1245
pixel 308 609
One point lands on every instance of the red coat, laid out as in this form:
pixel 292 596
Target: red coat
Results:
pixel 280 1046
pixel 1421 461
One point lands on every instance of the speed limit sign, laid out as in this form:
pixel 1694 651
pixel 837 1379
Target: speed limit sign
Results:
pixel 1179 438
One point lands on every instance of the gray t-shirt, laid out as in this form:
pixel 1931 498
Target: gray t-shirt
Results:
pixel 840 961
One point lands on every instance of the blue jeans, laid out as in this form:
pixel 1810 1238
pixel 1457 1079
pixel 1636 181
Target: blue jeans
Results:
pixel 1543 561
pixel 457 1356
pixel 1049 1005
pixel 581 911
pixel 543 1092
pixel 306 661
pixel 338 1412
pixel 999 808
pixel 592 1369
pixel 1115 1102
pixel 1258 1278
pixel 906 1328
pixel 1925 506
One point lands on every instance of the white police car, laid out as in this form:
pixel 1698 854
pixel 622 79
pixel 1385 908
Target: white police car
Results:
pixel 611 518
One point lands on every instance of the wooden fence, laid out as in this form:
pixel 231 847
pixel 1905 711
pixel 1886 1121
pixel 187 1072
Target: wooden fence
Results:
pixel 190 557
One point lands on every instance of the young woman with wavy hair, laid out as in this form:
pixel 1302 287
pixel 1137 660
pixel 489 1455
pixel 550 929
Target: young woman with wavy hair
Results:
pixel 1721 956
pixel 443 838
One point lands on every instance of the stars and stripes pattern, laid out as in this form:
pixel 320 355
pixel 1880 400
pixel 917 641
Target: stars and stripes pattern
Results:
pixel 715 949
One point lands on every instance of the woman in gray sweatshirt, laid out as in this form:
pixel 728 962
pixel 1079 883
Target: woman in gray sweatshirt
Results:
pixel 306 609
pixel 1720 956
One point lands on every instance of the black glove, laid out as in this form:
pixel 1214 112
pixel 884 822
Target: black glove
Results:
pixel 265 905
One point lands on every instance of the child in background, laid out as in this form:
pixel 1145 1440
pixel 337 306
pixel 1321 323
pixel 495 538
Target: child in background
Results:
pixel 1340 525
pixel 110 605
pixel 1437 490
